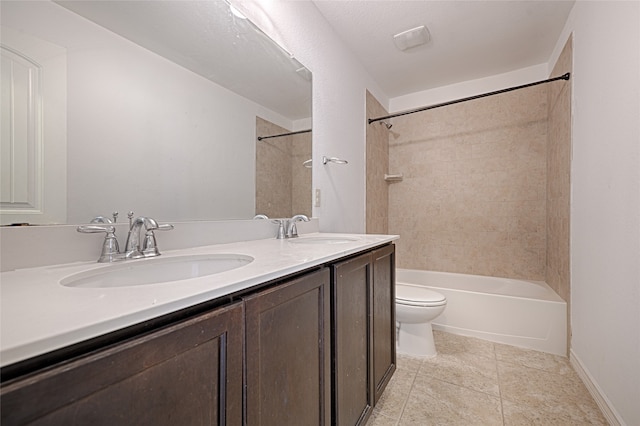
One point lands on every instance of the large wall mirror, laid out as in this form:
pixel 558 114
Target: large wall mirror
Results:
pixel 148 106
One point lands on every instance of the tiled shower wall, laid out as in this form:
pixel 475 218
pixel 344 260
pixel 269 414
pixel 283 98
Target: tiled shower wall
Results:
pixel 377 193
pixel 301 192
pixel 283 184
pixel 558 177
pixel 486 185
pixel 473 198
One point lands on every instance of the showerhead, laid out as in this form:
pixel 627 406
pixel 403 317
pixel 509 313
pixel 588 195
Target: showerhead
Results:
pixel 387 125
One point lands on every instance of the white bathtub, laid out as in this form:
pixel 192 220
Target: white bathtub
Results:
pixel 522 313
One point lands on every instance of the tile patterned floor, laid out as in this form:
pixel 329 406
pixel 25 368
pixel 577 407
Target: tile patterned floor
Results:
pixel 476 382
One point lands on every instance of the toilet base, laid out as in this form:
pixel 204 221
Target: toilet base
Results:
pixel 416 340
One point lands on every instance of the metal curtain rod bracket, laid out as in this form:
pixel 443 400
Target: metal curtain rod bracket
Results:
pixel 566 76
pixel 284 134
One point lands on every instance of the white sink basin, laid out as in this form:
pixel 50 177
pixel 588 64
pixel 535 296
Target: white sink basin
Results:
pixel 322 240
pixel 156 271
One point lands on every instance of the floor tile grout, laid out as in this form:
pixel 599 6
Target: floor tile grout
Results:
pixel 495 355
pixel 455 386
pixel 404 405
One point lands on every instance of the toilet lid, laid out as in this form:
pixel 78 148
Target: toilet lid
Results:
pixel 418 296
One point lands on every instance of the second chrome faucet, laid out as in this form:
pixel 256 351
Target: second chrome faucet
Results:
pixel 287 227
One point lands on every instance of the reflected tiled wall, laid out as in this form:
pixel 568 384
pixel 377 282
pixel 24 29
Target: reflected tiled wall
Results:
pixel 377 192
pixel 283 185
pixel 301 193
pixel 473 198
pixel 558 177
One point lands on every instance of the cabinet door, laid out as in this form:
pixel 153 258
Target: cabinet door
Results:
pixel 384 318
pixel 288 377
pixel 187 373
pixel 352 313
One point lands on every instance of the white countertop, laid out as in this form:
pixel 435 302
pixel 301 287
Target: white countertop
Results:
pixel 38 314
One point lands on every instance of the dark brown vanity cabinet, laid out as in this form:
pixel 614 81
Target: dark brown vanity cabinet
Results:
pixel 363 315
pixel 314 349
pixel 384 317
pixel 288 351
pixel 189 373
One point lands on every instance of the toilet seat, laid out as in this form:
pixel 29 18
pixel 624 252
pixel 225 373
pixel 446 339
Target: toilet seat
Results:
pixel 418 296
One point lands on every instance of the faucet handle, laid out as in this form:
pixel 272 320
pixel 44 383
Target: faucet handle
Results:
pixel 164 227
pixel 101 219
pixel 110 248
pixel 149 245
pixel 94 229
pixel 292 229
pixel 282 233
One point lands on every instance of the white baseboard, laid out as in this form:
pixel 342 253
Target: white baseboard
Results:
pixel 601 399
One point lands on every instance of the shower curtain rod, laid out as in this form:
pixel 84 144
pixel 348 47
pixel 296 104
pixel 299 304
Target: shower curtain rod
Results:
pixel 470 98
pixel 284 134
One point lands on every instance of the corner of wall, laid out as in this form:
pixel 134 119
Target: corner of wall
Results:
pixel 567 31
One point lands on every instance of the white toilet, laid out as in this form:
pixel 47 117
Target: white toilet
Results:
pixel 416 307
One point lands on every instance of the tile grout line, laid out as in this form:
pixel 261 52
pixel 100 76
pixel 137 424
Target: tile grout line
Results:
pixel 406 400
pixel 511 360
pixel 495 356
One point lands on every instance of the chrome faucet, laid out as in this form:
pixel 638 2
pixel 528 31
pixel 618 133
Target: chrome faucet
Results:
pixel 292 229
pixel 287 227
pixel 111 250
pixel 132 249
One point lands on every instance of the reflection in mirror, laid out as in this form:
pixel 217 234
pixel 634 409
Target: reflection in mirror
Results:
pixel 22 171
pixel 283 180
pixel 161 106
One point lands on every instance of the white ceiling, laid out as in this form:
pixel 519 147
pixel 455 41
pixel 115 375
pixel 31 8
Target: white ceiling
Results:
pixel 469 39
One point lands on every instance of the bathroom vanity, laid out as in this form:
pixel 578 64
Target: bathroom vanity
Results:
pixel 304 334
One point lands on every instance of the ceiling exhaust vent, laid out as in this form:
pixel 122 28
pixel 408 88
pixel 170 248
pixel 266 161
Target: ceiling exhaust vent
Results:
pixel 412 38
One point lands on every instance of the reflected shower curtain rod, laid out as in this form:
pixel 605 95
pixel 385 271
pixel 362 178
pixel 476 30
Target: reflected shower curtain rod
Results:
pixel 284 134
pixel 470 98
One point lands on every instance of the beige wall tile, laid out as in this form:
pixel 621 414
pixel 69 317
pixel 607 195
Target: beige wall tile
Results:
pixel 486 184
pixel 558 182
pixel 377 152
pixel 283 185
pixel 301 187
pixel 474 195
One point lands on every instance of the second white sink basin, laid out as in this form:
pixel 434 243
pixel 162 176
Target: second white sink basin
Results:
pixel 322 240
pixel 156 271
